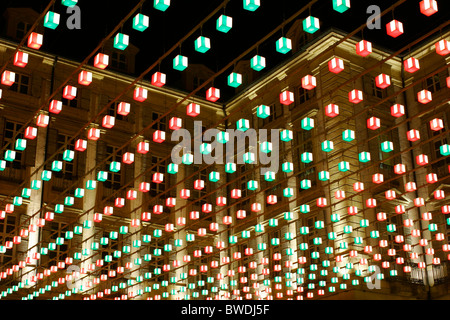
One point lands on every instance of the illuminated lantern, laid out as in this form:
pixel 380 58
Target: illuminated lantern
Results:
pixel 371 203
pixel 398 110
pixel 378 178
pixel 309 82
pixel 390 195
pixel 235 79
pixel 332 110
pixel 227 220
pixel 121 41
pixel 399 168
pixel 411 65
pixel 180 62
pixel 413 135
pixel 448 82
pixel 159 136
pixel 344 166
pixel 119 202
pixel 306 157
pixel 383 81
pixel 224 23
pixel 140 94
pixel 287 97
pixel 364 156
pixel 35 40
pixel 424 96
pixel 258 63
pixel 108 121
pixel 80 145
pixel 128 158
pixel 352 210
pixel 42 120
pixel 422 159
pixel 387 146
pixel 221 201
pixel 355 96
pixel 432 178
pixel 161 5
pixel 400 209
pixel 241 214
pixel 436 124
pixel 381 216
pixel 8 78
pixel 69 92
pixel 373 123
pixel 439 194
pixel 443 47
pixel 445 209
pixel 271 199
pixel 311 24
pixel 251 5
pixel 394 28
pixel 283 45
pixel 336 65
pixel 428 7
pixel 141 22
pixel 419 202
pixel 256 207
pixel 339 194
pixel 322 202
pixel 146 216
pixel 341 5
pixel 20 59
pixel 202 44
pixel 175 123
pixel 30 133
pixel 193 109
pixel 213 94
pixel 171 202
pixel 51 20
pixel 131 194
pixel 364 48
pixel 358 186
pixel 20 144
pixel 410 186
pixel 444 149
pixel 101 61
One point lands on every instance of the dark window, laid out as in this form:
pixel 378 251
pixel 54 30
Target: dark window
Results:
pixel 22 84
pixel 118 61
pixel 22 29
pixel 12 133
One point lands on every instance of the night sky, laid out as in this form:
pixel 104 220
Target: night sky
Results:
pixel 166 28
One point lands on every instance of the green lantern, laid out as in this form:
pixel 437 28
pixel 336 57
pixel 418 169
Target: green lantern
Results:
pixel 259 228
pixel 387 146
pixel 273 222
pixel 172 168
pixel 202 44
pixel 180 62
pixel 178 242
pixel 46 175
pixel 335 217
pixel 327 146
pixel 332 235
pixel 311 24
pixel 242 125
pixel 307 157
pixel 69 3
pixel 288 192
pixel 114 166
pixel 235 79
pixel 319 224
pixel 252 185
pixel 344 166
pixel 2 165
pixel 348 135
pixel 364 223
pixel 275 241
pixel 265 146
pixel 287 167
pixel 190 237
pixel 324 175
pixel 375 234
pixel 230 167
pixel 445 150
pixel 91 184
pixel 283 45
pixel 288 216
pixel 87 224
pixel 304 230
pixel 286 135
pixel 214 176
pixel 187 159
pixel 391 228
pixel 121 41
pixel 36 184
pixel 251 5
pixel 10 155
pixel 262 246
pixel 69 201
pixel 258 63
pixel 224 23
pixel 245 234
pixel 269 176
pixel 432 227
pixel 17 201
pixel 141 22
pixel 161 5
pixel 51 20
pixel 223 137
pixel 57 166
pixel 348 229
pixel 305 184
pixel 68 155
pixel 26 193
pixel 341 5
pixel 21 144
pixel 364 156
pixel 307 123
pixel 289 236
pixel 79 193
pixel 304 208
pixel 249 157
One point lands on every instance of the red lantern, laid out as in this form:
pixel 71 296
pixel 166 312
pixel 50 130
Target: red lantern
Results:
pixel 336 65
pixel 445 209
pixel 146 216
pixel 355 96
pixel 131 194
pixel 394 28
pixel 413 135
pixel 383 81
pixel 199 184
pixel 358 186
pixel 400 209
pixel 20 59
pixel 128 158
pixel 80 145
pixel 410 186
pixel 213 94
pixel 427 216
pixel 94 134
pixel 286 97
pixel 42 120
pixel 49 216
pixel 123 108
pixel 428 7
pixel 422 159
pixel 378 178
pixel 381 216
pixel 144 187
pixel 194 215
pixel 371 203
pixel 175 123
pixel 206 207
pixel 213 226
pixel 108 121
pixel 98 217
pixel 55 106
pixel 157 177
pixel 309 82
pixel 227 220
pixel 419 202
pixel 221 201
pixel 119 202
pixel 352 210
pixel 424 96
pixel 159 136
pixel 69 92
pixel 400 168
pixel 35 40
pixel 436 124
pixel 322 202
pixel 193 109
pixel 101 61
pixel 439 194
pixel 364 48
pixel 448 82
pixel 143 147
pixel 241 214
pixel 390 194
pixel 443 47
pixel 373 123
pixel 8 78
pixel 171 202
pixel 140 94
pixel 256 207
pixel 158 79
pixel 157 209
pixel 411 65
pixel 432 178
pixel 85 78
pixel 332 110
pixel 185 193
pixel 181 221
pixel 31 133
pixel 398 110
pixel 272 199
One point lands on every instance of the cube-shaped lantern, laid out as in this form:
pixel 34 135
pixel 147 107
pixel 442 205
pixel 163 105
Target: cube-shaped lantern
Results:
pixel 378 178
pixel 355 96
pixel 108 121
pixel 311 24
pixel 80 145
pixel 286 97
pixel 85 78
pixel 287 167
pixel 327 146
pixel 175 123
pixel 51 20
pixel 42 120
pixel 101 61
pixel 373 123
pixel 230 167
pixel 336 65
pixel 202 44
pixel 35 40
pixel 30 133
pixel 413 135
pixel 140 94
pixel 436 124
pixel 193 109
pixel 214 176
pixel 344 166
pixel 8 78
pixel 286 135
pixel 411 65
pixel 332 110
pixel 387 146
pixel 69 92
pixel 128 158
pixel 324 175
pixel 442 47
pixel 224 23
pixel 141 22
pixel 383 81
pixel 10 155
pixel 397 110
pixel 258 63
pixel 394 28
pixel 306 157
pixel 341 5
pixel 364 48
pixel 348 135
pixel 309 82
pixel 364 156
pixel 424 96
pixel 251 5
pixel 161 5
pixel 20 145
pixel 180 62
pixel 20 59
pixel 213 94
pixel 428 7
pixel 234 79
pixel 284 45
pixel 121 41
pixel 159 136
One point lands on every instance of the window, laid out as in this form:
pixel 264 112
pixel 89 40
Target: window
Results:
pixel 7 226
pixel 377 92
pixel 22 84
pixel 71 103
pixel 11 130
pixel 159 125
pixel 22 29
pixel 119 61
pixel 304 95
pixel 276 111
pixel 433 83
pixel 156 188
pixel 112 111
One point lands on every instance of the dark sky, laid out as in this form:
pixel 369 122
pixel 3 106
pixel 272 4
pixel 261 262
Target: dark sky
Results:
pixel 99 17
